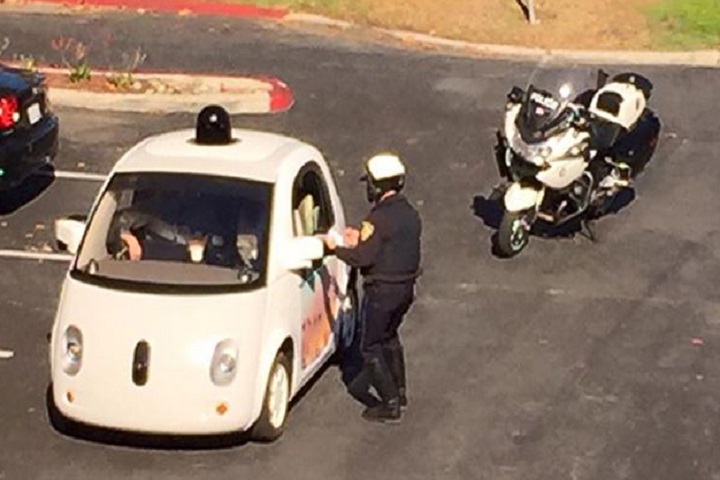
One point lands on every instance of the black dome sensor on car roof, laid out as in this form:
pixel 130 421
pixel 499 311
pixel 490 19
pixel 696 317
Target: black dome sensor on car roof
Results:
pixel 213 126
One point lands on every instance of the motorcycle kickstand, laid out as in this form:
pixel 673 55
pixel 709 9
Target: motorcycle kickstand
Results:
pixel 586 229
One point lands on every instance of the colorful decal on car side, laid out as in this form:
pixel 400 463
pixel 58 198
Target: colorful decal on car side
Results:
pixel 320 300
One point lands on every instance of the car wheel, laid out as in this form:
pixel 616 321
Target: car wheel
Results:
pixel 346 327
pixel 346 331
pixel 276 402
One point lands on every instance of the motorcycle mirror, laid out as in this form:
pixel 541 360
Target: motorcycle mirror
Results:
pixel 516 95
pixel 602 78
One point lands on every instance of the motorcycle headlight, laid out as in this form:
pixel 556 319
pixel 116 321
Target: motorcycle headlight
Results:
pixel 541 156
pixel 577 150
pixel 545 152
pixel 72 353
pixel 224 363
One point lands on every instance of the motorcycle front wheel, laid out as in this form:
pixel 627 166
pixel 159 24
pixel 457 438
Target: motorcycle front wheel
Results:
pixel 514 233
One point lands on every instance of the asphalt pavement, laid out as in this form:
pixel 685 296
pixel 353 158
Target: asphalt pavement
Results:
pixel 575 360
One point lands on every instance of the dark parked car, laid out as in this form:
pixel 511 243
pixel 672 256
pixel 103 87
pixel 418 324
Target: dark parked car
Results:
pixel 28 128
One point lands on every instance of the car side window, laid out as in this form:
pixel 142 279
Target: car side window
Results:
pixel 312 210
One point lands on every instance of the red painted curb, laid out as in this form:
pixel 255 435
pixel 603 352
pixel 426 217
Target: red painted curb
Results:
pixel 281 97
pixel 178 6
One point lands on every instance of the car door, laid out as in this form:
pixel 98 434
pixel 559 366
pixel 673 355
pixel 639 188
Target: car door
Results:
pixel 313 214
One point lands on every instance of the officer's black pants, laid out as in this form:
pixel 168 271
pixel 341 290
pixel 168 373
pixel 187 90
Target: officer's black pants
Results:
pixel 383 309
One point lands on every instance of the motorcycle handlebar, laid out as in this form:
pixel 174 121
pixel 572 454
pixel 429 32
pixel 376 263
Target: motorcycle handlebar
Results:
pixel 581 117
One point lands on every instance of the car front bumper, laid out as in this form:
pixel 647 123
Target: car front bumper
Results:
pixel 23 153
pixel 187 411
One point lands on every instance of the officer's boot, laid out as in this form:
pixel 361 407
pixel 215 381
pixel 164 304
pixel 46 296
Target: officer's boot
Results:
pixel 395 357
pixel 359 388
pixel 389 410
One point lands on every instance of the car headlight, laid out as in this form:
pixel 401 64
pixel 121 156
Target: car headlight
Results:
pixel 224 363
pixel 72 353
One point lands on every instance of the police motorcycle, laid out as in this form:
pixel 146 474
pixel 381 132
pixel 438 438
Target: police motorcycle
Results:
pixel 567 154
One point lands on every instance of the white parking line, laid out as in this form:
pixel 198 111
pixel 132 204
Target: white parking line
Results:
pixel 6 354
pixel 55 257
pixel 93 177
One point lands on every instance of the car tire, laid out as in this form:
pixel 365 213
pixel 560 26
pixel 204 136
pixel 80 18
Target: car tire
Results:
pixel 347 329
pixel 276 402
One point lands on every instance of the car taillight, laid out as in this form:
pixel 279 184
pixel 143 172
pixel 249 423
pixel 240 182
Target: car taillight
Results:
pixel 8 111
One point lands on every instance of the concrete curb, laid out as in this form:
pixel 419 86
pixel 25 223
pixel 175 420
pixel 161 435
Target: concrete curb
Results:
pixel 700 58
pixel 237 94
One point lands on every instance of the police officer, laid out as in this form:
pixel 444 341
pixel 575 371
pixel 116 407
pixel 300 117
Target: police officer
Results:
pixel 386 249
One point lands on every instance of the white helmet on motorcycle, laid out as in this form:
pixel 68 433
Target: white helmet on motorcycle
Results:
pixel 383 172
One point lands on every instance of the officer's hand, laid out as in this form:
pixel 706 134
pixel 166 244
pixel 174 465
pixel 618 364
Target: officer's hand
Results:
pixel 329 242
pixel 351 237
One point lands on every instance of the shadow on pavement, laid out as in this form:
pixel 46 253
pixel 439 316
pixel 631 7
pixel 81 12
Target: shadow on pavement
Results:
pixel 15 198
pixel 490 210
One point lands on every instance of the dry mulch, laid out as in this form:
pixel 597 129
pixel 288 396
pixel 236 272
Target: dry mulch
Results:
pixel 101 84
pixel 564 24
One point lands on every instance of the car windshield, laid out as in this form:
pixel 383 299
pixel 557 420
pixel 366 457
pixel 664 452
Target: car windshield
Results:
pixel 178 229
pixel 544 112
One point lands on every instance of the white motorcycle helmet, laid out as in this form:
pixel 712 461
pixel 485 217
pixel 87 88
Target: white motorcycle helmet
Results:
pixel 383 172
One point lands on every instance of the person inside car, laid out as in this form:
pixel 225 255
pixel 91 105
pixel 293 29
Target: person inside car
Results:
pixel 173 227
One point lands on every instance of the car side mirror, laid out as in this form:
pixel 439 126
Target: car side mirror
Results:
pixel 69 232
pixel 300 252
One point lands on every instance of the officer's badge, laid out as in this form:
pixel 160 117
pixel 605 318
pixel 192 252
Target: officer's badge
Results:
pixel 366 230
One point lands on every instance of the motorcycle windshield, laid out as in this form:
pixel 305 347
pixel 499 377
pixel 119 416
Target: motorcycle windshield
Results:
pixel 545 111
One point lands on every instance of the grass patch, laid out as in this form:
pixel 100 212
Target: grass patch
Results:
pixel 686 23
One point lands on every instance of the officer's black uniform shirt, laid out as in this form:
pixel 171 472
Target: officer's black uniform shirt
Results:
pixel 389 245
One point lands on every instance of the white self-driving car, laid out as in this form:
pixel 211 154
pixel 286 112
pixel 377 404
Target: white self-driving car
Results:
pixel 199 300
